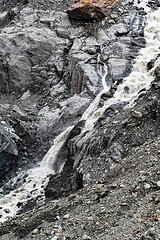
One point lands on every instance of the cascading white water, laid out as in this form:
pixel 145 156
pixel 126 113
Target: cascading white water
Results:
pixel 138 79
pixel 50 158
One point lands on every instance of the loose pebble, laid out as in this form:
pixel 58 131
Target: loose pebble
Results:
pixel 85 237
pixel 59 228
pixel 55 238
pixel 66 216
pixel 7 210
pixel 147 186
pixel 158 184
pixel 35 231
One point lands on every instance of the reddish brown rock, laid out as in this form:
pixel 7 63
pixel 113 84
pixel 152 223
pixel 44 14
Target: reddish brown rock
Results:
pixel 90 9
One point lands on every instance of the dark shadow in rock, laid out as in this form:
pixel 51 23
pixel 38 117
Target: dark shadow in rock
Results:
pixel 7 162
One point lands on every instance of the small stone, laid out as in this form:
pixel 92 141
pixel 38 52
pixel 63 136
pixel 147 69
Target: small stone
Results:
pixel 138 114
pixel 158 184
pixel 59 228
pixel 114 16
pixel 29 195
pixel 125 206
pixel 157 218
pixel 1 195
pixel 143 178
pixel 103 211
pixel 111 21
pixel 85 237
pixel 122 185
pixel 120 10
pixel 25 95
pixel 18 110
pixel 105 58
pixel 134 194
pixel 35 231
pixel 147 186
pixel 90 218
pixel 55 238
pixel 66 216
pixel 124 122
pixel 91 51
pixel 7 210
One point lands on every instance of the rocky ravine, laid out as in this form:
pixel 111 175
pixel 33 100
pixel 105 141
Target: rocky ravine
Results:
pixel 49 75
pixel 58 62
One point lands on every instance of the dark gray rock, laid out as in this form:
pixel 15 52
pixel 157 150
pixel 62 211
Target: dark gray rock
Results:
pixel 27 206
pixel 8 148
pixel 7 210
pixel 63 184
pixel 7 162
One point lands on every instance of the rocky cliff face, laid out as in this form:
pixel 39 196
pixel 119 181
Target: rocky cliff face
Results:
pixel 51 69
pixel 49 65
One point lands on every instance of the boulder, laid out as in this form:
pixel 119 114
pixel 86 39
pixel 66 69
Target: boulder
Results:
pixel 23 57
pixel 63 184
pixel 90 10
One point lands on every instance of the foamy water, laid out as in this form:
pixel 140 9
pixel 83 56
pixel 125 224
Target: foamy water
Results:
pixel 34 180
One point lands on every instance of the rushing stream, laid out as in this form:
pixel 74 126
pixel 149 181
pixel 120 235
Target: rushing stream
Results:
pixel 33 181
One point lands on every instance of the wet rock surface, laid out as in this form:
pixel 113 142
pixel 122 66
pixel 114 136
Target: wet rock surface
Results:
pixel 50 71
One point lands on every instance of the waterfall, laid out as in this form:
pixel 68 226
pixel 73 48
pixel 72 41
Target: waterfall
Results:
pixel 50 158
pixel 140 78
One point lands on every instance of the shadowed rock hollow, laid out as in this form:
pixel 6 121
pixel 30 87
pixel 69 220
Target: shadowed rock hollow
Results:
pixel 91 10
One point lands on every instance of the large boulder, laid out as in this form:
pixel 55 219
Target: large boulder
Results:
pixel 90 10
pixel 23 57
pixel 63 184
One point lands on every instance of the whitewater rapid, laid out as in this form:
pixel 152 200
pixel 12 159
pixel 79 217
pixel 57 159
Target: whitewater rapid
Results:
pixel 37 178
